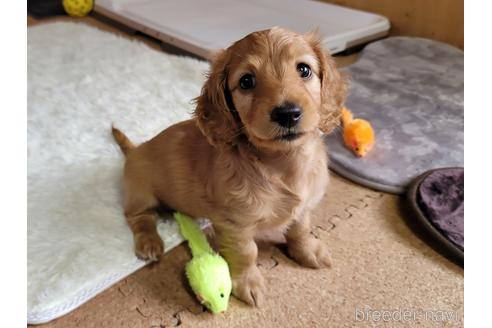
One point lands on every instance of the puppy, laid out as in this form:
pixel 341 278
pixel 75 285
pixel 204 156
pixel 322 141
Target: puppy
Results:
pixel 251 158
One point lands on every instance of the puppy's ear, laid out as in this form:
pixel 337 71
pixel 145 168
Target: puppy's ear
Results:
pixel 333 85
pixel 212 113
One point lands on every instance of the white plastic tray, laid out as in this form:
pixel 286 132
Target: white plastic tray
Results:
pixel 204 26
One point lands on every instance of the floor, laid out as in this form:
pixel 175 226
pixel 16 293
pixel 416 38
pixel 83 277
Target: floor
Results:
pixel 383 274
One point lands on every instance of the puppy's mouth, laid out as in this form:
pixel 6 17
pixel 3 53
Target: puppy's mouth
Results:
pixel 291 136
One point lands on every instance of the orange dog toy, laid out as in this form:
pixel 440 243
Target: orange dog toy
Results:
pixel 358 134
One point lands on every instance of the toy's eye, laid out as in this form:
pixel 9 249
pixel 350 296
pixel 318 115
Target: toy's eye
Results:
pixel 222 295
pixel 247 81
pixel 357 149
pixel 304 70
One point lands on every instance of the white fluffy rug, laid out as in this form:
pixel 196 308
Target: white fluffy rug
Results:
pixel 80 80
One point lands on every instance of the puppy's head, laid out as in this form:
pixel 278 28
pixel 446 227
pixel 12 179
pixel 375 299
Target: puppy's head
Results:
pixel 274 87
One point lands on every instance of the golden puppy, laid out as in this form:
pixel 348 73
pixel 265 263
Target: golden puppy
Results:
pixel 251 158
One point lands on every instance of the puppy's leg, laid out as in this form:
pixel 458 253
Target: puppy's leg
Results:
pixel 240 252
pixel 142 218
pixel 304 247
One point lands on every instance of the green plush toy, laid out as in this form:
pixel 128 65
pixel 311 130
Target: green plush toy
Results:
pixel 207 272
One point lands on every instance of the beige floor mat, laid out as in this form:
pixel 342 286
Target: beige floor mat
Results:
pixel 379 265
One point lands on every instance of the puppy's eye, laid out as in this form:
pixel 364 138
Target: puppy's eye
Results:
pixel 247 81
pixel 304 70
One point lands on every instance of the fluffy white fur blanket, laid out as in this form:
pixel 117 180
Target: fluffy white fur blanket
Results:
pixel 80 80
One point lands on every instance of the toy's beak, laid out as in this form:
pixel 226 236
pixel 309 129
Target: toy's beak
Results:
pixel 218 312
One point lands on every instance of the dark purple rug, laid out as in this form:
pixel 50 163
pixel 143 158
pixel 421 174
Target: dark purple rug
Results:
pixel 441 198
pixel 437 198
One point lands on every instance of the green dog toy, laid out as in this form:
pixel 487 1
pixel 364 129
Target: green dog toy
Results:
pixel 207 272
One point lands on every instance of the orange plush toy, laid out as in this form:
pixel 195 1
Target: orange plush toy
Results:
pixel 358 134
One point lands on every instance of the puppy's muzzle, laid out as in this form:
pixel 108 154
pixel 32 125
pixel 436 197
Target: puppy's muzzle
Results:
pixel 287 115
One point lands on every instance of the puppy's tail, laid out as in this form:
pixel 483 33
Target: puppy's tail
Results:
pixel 122 140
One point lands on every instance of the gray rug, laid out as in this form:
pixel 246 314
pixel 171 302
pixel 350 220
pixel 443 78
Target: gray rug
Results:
pixel 411 90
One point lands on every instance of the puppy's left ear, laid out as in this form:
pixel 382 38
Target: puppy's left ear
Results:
pixel 333 85
pixel 212 114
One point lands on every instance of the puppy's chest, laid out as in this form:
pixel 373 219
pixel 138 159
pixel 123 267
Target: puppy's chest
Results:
pixel 292 193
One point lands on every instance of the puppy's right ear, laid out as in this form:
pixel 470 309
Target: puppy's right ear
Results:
pixel 212 113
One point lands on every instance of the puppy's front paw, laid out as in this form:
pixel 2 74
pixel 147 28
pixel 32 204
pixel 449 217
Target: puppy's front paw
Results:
pixel 311 253
pixel 148 246
pixel 249 286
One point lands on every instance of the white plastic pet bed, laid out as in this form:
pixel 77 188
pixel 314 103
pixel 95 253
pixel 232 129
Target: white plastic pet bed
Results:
pixel 204 26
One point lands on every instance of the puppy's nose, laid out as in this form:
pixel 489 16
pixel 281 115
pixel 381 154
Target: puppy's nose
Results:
pixel 287 115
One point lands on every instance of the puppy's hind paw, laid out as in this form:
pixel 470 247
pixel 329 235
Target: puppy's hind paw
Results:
pixel 148 246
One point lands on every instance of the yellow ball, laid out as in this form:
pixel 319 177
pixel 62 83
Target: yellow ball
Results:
pixel 78 8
